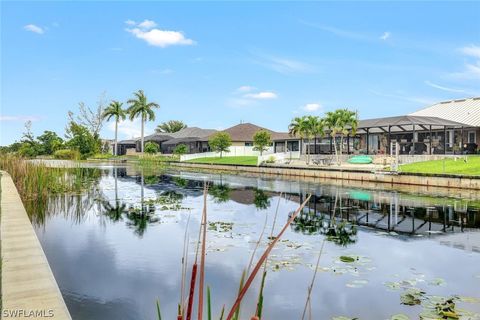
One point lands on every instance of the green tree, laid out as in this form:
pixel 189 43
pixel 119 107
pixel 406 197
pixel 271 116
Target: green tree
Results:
pixel 82 140
pixel 116 111
pixel 180 149
pixel 220 142
pixel 299 128
pixel 140 107
pixel 341 122
pixel 151 147
pixel 262 139
pixel 171 126
pixel 49 142
pixel 29 147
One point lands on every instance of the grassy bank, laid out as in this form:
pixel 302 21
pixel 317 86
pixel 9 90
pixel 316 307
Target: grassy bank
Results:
pixel 244 160
pixel 463 165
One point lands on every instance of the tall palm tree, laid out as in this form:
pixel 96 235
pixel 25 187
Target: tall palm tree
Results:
pixel 341 122
pixel 139 106
pixel 115 110
pixel 298 127
pixel 312 125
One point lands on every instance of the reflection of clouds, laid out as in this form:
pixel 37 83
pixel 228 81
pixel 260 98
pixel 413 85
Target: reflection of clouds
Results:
pixel 106 272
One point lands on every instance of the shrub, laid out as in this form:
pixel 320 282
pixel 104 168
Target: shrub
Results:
pixel 180 149
pixel 150 147
pixel 270 159
pixel 67 154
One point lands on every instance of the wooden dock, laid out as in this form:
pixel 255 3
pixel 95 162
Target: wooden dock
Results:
pixel 29 289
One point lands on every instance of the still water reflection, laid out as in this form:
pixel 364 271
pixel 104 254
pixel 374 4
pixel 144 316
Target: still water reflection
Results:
pixel 117 248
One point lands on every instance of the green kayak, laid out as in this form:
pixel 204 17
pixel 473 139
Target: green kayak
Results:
pixel 360 160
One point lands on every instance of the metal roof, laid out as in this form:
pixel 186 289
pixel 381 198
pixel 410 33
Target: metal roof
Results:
pixel 407 120
pixel 192 132
pixel 175 141
pixel 465 111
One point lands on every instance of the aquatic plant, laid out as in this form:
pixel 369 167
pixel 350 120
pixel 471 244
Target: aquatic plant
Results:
pixel 35 181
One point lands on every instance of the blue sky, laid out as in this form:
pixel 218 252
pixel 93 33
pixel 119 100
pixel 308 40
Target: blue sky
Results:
pixel 214 64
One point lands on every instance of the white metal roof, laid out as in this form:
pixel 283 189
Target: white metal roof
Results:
pixel 462 110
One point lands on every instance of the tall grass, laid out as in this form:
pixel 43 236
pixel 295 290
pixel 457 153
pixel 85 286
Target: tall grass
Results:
pixel 35 181
pixel 245 282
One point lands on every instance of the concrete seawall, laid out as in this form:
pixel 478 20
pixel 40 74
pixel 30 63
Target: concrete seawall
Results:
pixel 447 181
pixel 29 289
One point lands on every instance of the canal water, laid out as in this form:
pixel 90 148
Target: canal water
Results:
pixel 117 248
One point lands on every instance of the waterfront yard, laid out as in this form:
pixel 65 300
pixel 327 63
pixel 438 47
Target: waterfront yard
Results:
pixel 466 166
pixel 243 160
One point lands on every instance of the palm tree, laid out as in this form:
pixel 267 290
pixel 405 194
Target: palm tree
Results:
pixel 115 110
pixel 312 125
pixel 139 106
pixel 298 127
pixel 341 121
pixel 171 126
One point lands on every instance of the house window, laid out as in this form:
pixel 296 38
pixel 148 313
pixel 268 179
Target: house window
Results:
pixel 472 137
pixel 248 144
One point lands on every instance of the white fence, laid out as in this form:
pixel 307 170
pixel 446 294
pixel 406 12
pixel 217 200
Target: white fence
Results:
pixel 235 151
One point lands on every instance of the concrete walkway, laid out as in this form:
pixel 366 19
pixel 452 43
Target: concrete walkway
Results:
pixel 29 290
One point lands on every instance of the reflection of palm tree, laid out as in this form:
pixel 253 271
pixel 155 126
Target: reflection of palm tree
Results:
pixel 220 192
pixel 139 219
pixel 343 233
pixel 260 200
pixel 114 212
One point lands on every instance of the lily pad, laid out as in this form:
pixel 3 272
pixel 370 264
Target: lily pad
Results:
pixel 347 259
pixel 399 316
pixel 412 297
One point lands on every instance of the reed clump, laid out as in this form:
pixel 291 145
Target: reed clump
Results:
pixel 36 180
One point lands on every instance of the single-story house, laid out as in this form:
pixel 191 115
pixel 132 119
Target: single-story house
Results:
pixel 196 140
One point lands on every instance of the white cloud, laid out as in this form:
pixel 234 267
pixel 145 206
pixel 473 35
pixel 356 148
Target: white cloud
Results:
pixel 245 89
pixel 160 38
pixel 436 86
pixel 34 28
pixel 471 69
pixel 385 35
pixel 282 64
pixel 405 97
pixel 471 50
pixel 128 129
pixel 263 95
pixel 312 107
pixel 19 118
pixel 147 24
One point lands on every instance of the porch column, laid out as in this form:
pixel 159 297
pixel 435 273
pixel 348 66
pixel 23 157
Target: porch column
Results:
pixel 444 139
pixel 431 140
pixel 413 140
pixel 389 142
pixel 461 147
pixel 368 129
pixel 348 144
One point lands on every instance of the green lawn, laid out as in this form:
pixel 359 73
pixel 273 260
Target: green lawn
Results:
pixel 449 166
pixel 244 160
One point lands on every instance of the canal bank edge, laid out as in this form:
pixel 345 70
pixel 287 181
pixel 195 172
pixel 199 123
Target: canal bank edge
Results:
pixel 29 289
pixel 385 177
